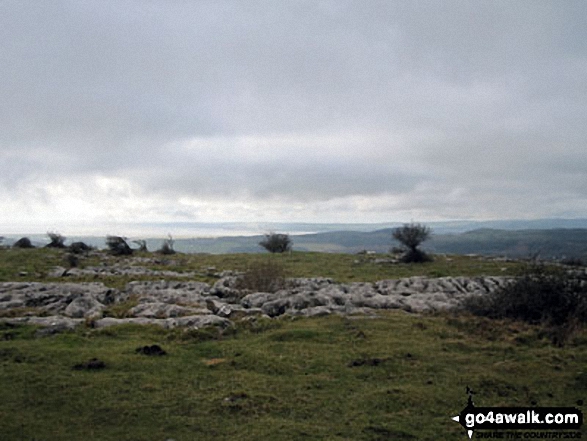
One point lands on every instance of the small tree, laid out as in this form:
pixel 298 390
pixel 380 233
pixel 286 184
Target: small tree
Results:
pixel 118 246
pixel 276 243
pixel 411 236
pixel 56 240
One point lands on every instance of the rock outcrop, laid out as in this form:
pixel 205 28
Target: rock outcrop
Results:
pixel 195 304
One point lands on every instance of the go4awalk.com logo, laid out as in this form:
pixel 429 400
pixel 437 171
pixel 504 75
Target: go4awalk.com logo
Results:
pixel 544 422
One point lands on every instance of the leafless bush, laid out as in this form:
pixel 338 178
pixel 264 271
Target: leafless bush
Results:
pixel 142 245
pixel 56 240
pixel 263 276
pixel 167 246
pixel 72 260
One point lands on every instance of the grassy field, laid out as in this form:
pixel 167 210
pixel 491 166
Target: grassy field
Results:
pixel 398 376
pixel 37 263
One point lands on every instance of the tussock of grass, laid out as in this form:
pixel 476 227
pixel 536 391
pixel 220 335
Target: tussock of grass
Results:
pixel 121 310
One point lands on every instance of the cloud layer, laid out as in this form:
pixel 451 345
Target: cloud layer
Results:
pixel 291 111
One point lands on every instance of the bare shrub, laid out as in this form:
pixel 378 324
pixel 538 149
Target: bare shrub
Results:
pixel 72 260
pixel 263 276
pixel 167 246
pixel 56 240
pixel 118 246
pixel 276 243
pixel 142 245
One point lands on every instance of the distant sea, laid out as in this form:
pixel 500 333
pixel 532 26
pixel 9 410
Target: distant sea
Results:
pixel 154 233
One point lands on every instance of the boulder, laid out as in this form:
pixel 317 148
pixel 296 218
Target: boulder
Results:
pixel 199 321
pixel 85 306
pixel 56 322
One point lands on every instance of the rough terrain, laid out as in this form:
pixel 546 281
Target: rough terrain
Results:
pixel 197 304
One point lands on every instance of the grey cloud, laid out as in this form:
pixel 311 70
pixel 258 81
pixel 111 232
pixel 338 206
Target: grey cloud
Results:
pixel 286 176
pixel 495 90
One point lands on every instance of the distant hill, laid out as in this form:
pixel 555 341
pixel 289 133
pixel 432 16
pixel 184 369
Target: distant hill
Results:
pixel 551 238
pixel 553 243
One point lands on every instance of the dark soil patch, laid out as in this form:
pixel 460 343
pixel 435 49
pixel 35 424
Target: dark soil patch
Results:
pixel 90 365
pixel 366 362
pixel 151 350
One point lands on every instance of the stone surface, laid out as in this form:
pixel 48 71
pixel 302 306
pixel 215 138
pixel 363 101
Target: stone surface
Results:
pixel 195 304
pixel 164 310
pixel 84 306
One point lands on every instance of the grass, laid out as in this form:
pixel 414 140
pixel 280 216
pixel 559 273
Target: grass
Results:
pixel 397 376
pixel 343 268
pixel 281 379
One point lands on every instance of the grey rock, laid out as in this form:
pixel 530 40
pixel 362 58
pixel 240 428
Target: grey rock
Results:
pixel 184 293
pixel 84 306
pixel 185 303
pixel 316 311
pixel 276 307
pixel 218 308
pixel 56 322
pixel 258 299
pixel 110 321
pixel 199 321
pixel 227 288
pixel 102 271
pixel 164 310
pixel 50 297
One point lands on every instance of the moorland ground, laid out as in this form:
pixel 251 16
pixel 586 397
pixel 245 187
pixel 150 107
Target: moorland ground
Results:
pixel 393 376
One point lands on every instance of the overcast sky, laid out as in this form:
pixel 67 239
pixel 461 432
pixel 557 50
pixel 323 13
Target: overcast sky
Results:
pixel 316 111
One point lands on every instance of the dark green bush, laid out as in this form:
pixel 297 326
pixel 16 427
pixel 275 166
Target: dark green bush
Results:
pixel 118 246
pixel 276 243
pixel 23 242
pixel 541 295
pixel 573 261
pixel 79 248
